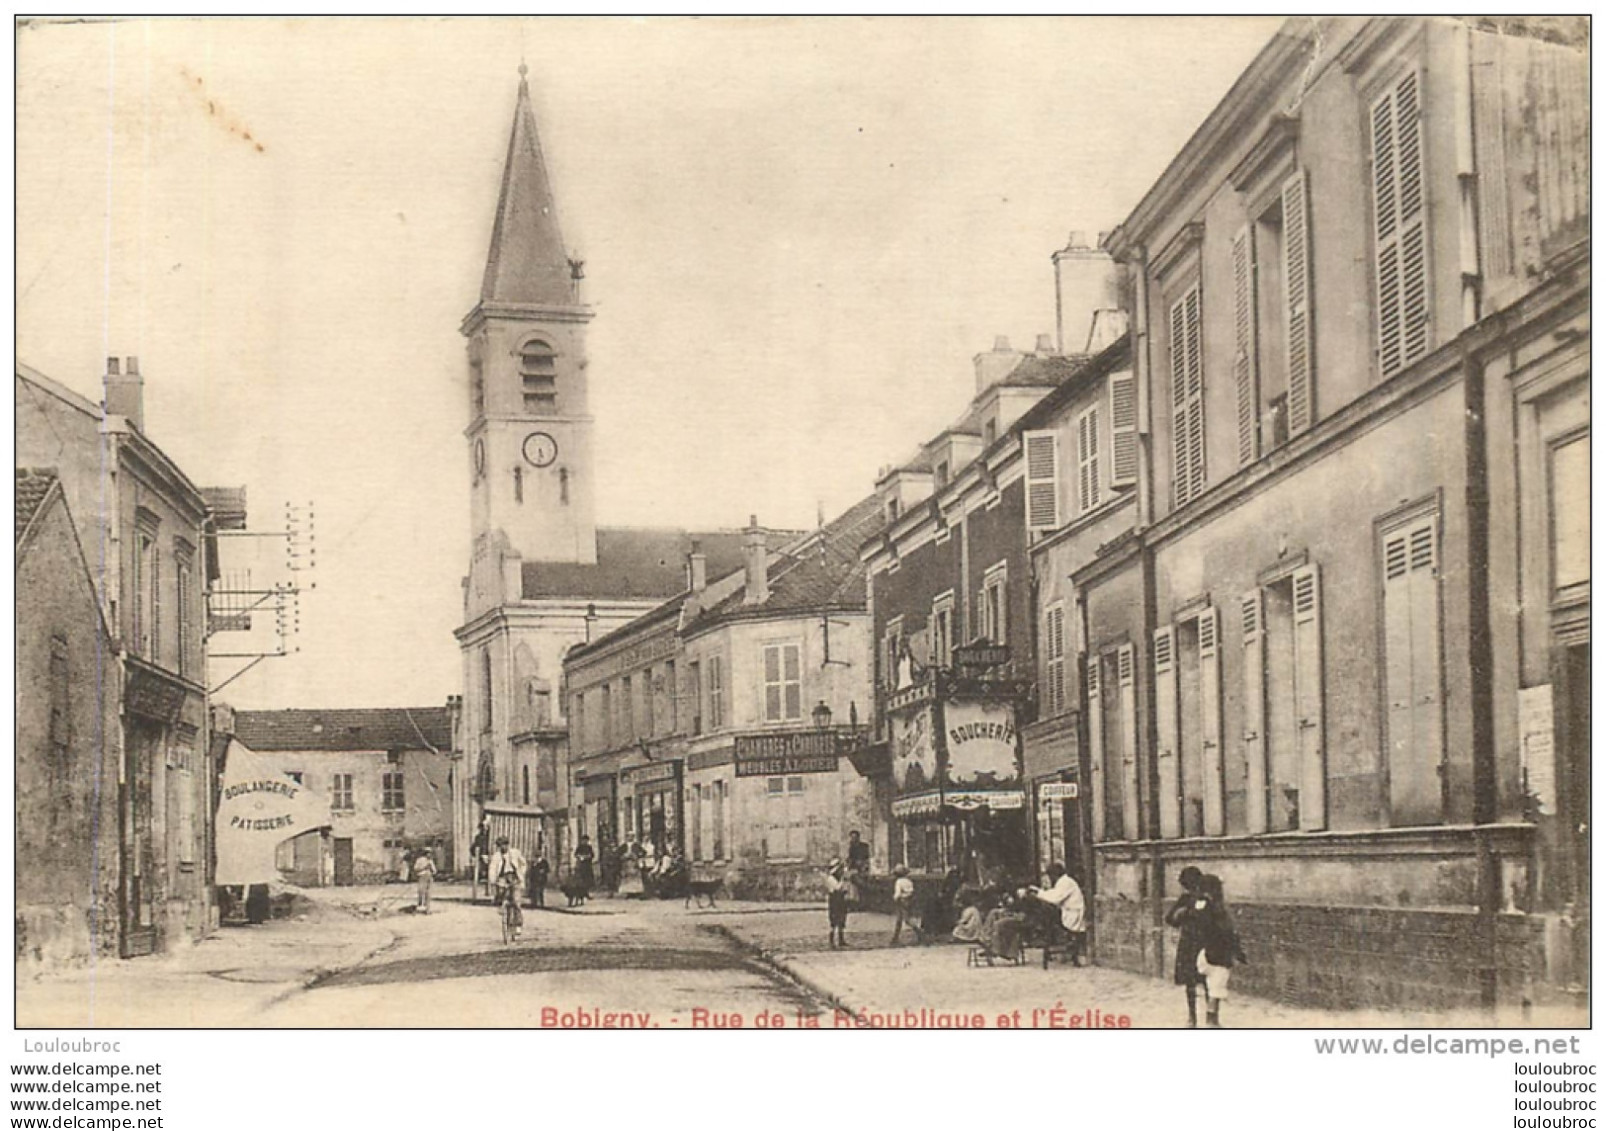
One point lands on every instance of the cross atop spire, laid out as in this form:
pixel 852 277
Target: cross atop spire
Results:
pixel 527 264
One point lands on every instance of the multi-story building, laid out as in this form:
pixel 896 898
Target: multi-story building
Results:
pixel 1337 660
pixel 68 861
pixel 716 725
pixel 385 772
pixel 144 529
pixel 542 576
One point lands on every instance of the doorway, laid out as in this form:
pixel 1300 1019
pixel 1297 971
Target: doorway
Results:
pixel 344 869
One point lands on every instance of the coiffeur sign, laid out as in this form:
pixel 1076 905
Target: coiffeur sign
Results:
pixel 261 806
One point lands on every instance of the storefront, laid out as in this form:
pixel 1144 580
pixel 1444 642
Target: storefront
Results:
pixel 958 795
pixel 651 797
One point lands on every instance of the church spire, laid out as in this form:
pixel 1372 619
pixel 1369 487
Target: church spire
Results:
pixel 527 264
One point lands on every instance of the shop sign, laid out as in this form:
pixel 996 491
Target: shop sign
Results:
pixel 981 656
pixel 967 800
pixel 914 752
pixel 1057 791
pixel 981 743
pixel 646 775
pixel 795 752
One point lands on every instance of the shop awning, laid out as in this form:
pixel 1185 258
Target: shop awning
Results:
pixel 964 801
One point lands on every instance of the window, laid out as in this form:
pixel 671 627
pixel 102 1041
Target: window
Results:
pixel 1042 480
pixel 892 510
pixel 716 692
pixel 699 814
pixel 538 702
pixel 995 605
pixel 538 365
pixel 627 710
pixel 1123 429
pixel 942 630
pixel 721 798
pixel 340 793
pixel 694 693
pixel 60 699
pixel 524 772
pixel 607 716
pixel 1112 744
pixel 486 698
pixel 1053 696
pixel 476 388
pixel 184 606
pixel 647 692
pixel 1087 460
pixel 891 653
pixel 786 820
pixel 1569 511
pixel 392 795
pixel 1413 671
pixel 147 587
pixel 1398 226
pixel 989 432
pixel 1187 400
pixel 942 473
pixel 582 725
pixel 672 693
pixel 783 682
pixel 1273 356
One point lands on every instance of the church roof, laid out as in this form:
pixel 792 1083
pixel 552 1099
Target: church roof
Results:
pixel 527 263
pixel 364 728
pixel 634 564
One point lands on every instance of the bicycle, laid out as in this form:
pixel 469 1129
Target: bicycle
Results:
pixel 507 895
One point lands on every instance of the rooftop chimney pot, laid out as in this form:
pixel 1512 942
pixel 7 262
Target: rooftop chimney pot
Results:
pixel 133 366
pixel 1000 343
pixel 1045 343
pixel 1078 239
pixel 756 552
pixel 111 366
pixel 125 392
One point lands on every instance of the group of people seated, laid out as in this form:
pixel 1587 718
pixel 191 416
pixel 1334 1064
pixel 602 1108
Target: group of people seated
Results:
pixel 646 871
pixel 1000 919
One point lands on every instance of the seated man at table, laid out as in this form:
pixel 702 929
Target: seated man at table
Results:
pixel 1064 893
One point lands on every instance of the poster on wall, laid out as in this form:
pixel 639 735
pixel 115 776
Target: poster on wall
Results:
pixel 914 753
pixel 981 747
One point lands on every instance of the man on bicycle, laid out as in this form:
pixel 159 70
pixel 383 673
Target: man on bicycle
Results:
pixel 507 872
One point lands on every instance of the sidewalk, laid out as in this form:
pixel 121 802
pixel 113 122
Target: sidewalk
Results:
pixel 225 979
pixel 896 981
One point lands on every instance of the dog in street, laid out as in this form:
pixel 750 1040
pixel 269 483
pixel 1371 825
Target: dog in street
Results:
pixel 574 893
pixel 701 890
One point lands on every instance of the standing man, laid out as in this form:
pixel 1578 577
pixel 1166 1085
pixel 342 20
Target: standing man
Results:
pixel 479 854
pixel 858 864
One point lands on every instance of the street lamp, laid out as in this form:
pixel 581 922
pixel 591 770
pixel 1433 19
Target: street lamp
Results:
pixel 822 716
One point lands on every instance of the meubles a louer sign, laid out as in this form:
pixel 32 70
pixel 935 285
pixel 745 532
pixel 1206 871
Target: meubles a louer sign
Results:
pixel 797 752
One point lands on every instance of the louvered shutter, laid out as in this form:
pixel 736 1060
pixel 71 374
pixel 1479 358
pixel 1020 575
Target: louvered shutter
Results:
pixel 1165 717
pixel 1095 745
pixel 1125 662
pixel 1179 402
pixel 1210 721
pixel 1123 429
pixel 1412 675
pixel 1042 481
pixel 1054 660
pixel 1399 229
pixel 1297 280
pixel 1196 433
pixel 1087 457
pixel 1309 699
pixel 1253 610
pixel 1243 336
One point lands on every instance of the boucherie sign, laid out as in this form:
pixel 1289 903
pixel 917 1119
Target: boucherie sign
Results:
pixel 980 742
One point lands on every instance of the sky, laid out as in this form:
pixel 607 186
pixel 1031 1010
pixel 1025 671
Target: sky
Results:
pixel 797 234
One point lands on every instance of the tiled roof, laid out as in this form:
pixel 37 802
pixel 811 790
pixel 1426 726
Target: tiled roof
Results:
pixel 635 563
pixel 1043 372
pixel 33 487
pixel 822 570
pixel 369 728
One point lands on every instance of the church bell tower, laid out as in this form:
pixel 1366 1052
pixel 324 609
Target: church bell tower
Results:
pixel 530 430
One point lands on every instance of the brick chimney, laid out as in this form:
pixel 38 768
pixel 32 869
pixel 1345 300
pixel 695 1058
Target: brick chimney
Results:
pixel 757 553
pixel 1086 281
pixel 125 392
pixel 996 364
pixel 697 568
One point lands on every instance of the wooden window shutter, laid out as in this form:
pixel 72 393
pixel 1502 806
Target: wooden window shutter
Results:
pixel 1297 277
pixel 1179 402
pixel 1042 481
pixel 1095 744
pixel 1309 698
pixel 1054 660
pixel 1125 662
pixel 1196 422
pixel 1210 722
pixel 1253 608
pixel 1087 460
pixel 1165 715
pixel 1399 229
pixel 1412 674
pixel 1123 429
pixel 1243 336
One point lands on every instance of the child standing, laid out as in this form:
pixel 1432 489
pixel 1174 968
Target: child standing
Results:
pixel 903 904
pixel 1185 914
pixel 836 902
pixel 1219 948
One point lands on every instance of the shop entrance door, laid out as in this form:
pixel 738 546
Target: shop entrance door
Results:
pixel 138 888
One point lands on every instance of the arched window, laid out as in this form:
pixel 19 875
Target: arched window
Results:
pixel 538 365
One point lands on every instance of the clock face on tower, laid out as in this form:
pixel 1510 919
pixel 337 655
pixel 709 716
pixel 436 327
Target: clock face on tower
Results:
pixel 479 458
pixel 540 449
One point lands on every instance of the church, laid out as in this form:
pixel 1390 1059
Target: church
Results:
pixel 542 575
